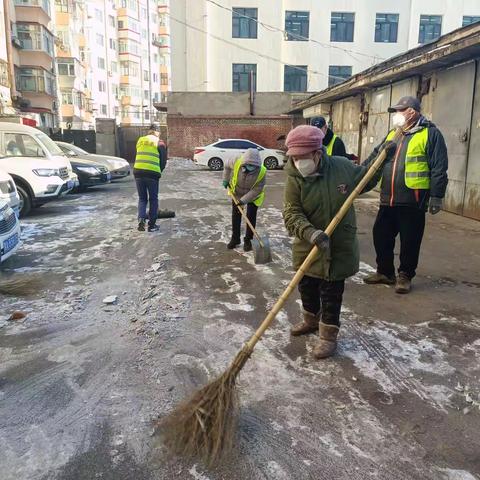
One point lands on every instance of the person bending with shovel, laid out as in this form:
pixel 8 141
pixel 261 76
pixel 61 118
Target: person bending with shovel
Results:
pixel 317 186
pixel 245 178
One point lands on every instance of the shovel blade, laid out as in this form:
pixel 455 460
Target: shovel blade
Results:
pixel 165 214
pixel 261 255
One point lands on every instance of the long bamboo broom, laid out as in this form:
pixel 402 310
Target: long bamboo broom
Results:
pixel 204 425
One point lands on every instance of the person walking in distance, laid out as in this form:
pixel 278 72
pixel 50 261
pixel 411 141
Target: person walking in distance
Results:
pixel 245 177
pixel 413 181
pixel 150 162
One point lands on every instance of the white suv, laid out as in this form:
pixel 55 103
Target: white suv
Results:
pixel 9 231
pixel 8 191
pixel 40 170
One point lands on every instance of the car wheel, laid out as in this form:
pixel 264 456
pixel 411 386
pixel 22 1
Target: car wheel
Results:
pixel 215 164
pixel 271 163
pixel 25 201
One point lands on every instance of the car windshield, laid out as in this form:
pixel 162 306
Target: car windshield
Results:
pixel 50 145
pixel 77 150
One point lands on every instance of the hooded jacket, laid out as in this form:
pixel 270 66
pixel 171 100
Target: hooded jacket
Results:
pixel 246 190
pixel 310 205
pixel 394 192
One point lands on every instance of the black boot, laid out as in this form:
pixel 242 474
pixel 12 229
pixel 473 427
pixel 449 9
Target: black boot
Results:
pixel 153 228
pixel 141 225
pixel 233 243
pixel 247 245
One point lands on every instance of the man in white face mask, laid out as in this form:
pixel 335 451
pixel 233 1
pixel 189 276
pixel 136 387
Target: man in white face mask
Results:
pixel 413 181
pixel 317 186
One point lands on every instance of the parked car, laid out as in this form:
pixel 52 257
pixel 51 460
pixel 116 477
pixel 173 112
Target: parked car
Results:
pixel 90 173
pixel 8 192
pixel 9 231
pixel 118 167
pixel 214 155
pixel 37 165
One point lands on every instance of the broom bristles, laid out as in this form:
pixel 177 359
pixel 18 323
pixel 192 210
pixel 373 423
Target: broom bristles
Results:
pixel 204 425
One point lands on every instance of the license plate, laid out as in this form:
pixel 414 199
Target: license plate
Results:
pixel 10 243
pixel 70 184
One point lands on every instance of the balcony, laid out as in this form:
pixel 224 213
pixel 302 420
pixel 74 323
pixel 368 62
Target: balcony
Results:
pixel 33 11
pixel 36 45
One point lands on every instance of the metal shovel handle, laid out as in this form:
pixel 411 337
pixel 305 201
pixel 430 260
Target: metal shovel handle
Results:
pixel 244 215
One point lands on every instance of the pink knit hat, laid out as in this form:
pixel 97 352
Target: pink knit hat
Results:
pixel 303 140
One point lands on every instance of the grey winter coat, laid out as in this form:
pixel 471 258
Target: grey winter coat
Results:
pixel 245 190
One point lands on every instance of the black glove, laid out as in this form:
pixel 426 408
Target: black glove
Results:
pixel 320 239
pixel 241 203
pixel 390 148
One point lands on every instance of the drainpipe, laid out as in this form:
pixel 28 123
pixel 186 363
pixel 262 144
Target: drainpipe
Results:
pixel 8 35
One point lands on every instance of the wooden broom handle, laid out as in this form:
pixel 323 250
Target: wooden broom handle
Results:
pixel 252 228
pixel 314 252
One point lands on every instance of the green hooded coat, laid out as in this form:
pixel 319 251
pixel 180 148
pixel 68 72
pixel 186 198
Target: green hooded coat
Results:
pixel 310 205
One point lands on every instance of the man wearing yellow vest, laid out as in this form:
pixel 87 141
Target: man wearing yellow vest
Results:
pixel 332 143
pixel 414 180
pixel 246 177
pixel 150 161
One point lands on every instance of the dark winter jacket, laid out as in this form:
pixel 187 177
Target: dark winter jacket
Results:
pixel 338 146
pixel 163 152
pixel 312 202
pixel 394 192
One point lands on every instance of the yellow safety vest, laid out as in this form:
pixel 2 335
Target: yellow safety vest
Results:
pixel 329 147
pixel 261 175
pixel 417 170
pixel 147 157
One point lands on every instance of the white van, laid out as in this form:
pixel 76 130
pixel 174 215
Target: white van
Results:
pixel 39 168
pixel 8 191
pixel 9 231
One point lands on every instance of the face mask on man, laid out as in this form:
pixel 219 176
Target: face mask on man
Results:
pixel 305 166
pixel 250 168
pixel 398 120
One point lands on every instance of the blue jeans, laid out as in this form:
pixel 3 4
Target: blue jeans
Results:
pixel 147 189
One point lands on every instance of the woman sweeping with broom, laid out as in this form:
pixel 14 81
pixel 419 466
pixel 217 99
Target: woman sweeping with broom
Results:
pixel 316 188
pixel 319 196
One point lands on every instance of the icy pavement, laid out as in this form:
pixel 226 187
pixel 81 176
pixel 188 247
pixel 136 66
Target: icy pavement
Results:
pixel 81 379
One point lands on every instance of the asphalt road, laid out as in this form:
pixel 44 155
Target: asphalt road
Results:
pixel 80 381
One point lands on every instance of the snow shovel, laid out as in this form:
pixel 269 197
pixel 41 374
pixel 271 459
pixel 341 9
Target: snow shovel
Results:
pixel 261 247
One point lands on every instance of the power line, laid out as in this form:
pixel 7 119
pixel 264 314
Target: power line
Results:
pixel 262 55
pixel 295 35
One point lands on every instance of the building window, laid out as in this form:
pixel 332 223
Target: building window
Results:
pixel 66 68
pixel 67 98
pixel 129 69
pixel 338 73
pixel 103 109
pixel 430 28
pixel 164 79
pixel 295 78
pixel 146 95
pixel 101 63
pixel 61 6
pixel 102 86
pixel 35 80
pixel 113 44
pixel 113 67
pixel 342 27
pixel 99 15
pixel 468 20
pixel 111 20
pixel 81 53
pixel 4 74
pixel 241 76
pixel 145 76
pixel 297 25
pixel 35 37
pixel 244 22
pixel 100 39
pixel 386 27
pixel 155 78
pixel 126 45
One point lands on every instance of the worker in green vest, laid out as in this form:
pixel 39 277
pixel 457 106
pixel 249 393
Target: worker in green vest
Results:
pixel 414 180
pixel 150 161
pixel 246 177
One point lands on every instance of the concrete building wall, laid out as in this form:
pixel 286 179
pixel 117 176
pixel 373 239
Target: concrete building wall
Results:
pixel 203 62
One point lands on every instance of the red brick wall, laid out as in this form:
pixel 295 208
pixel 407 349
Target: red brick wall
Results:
pixel 186 133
